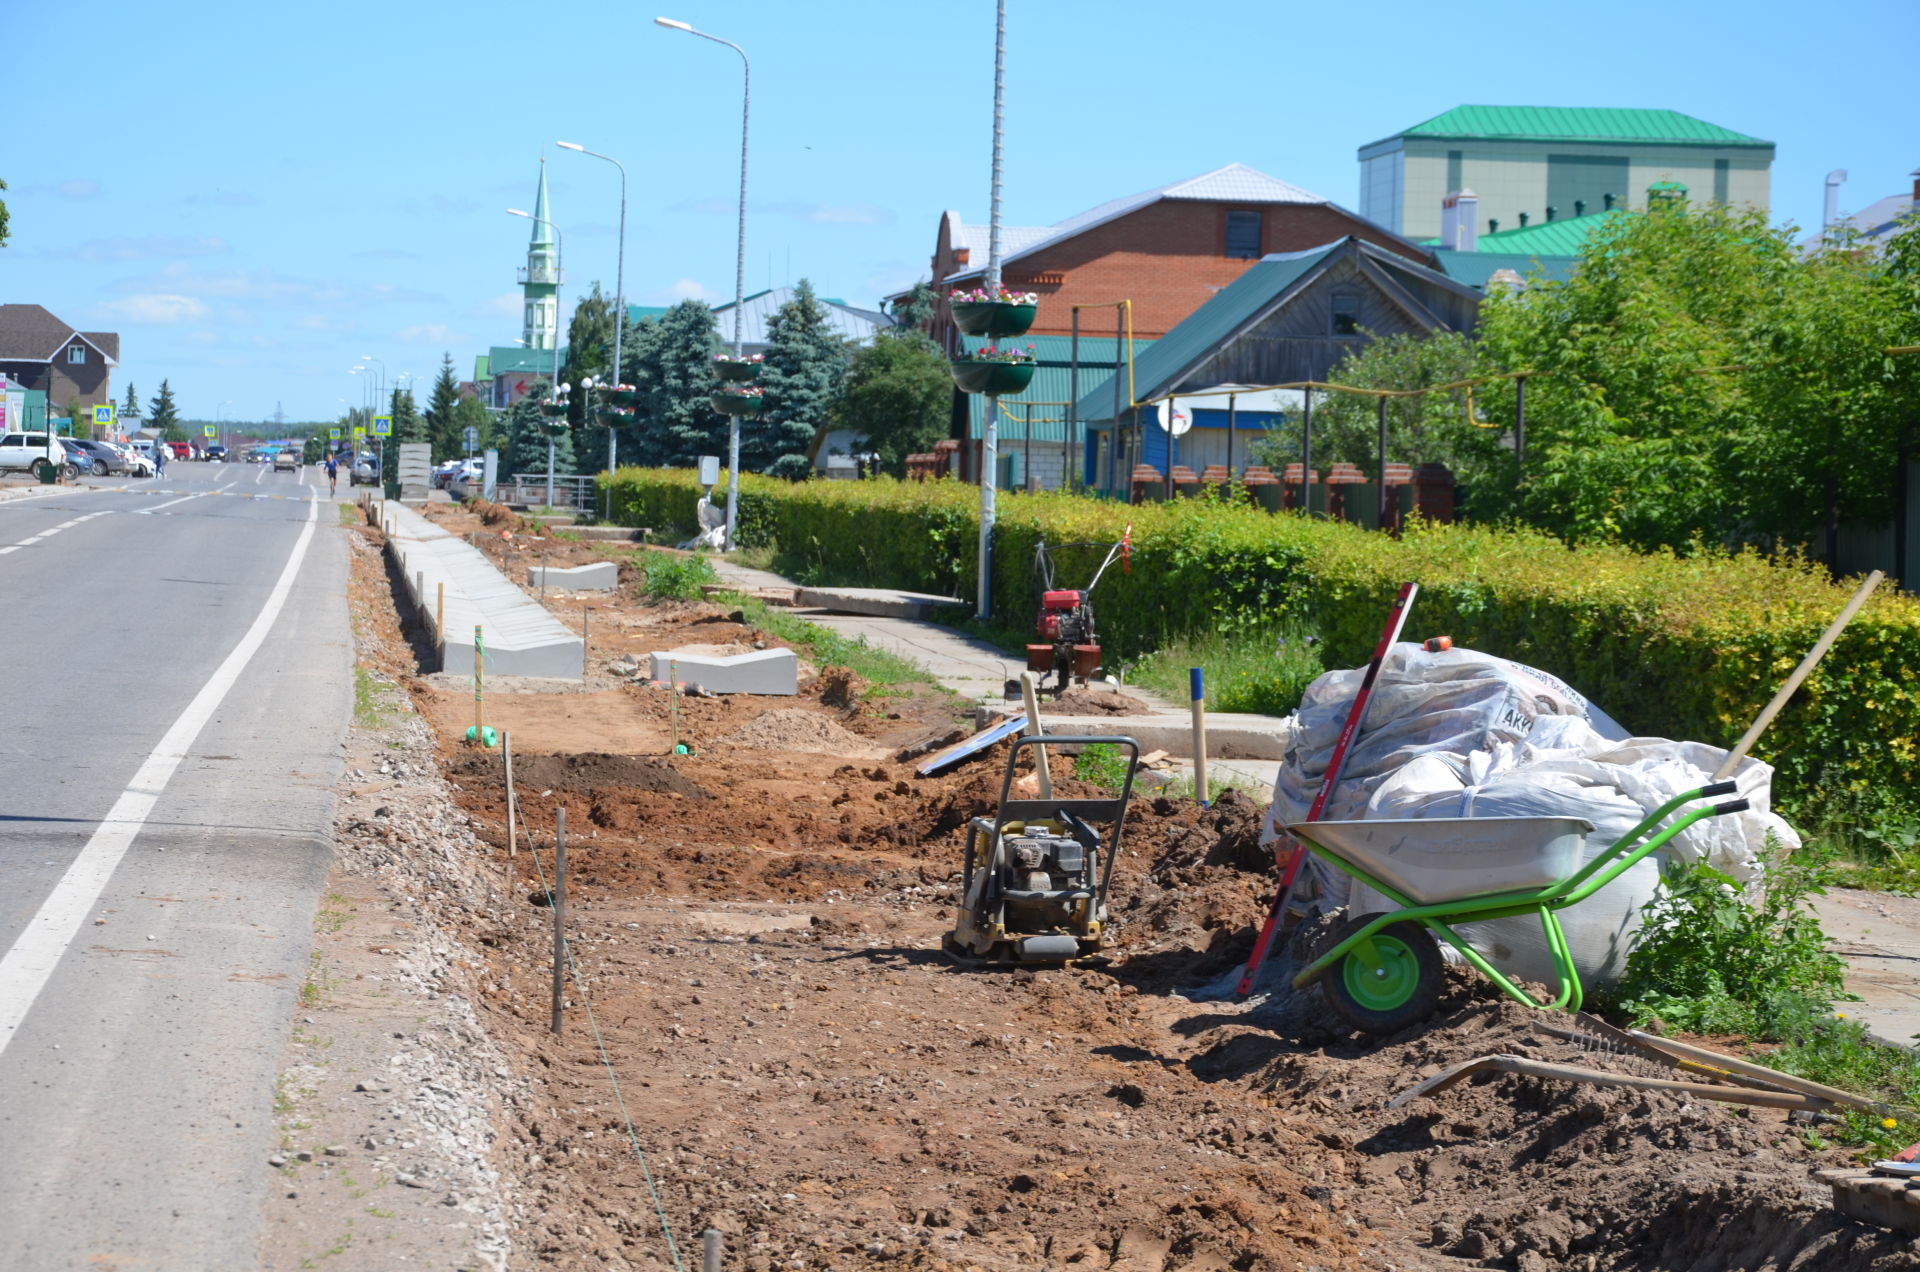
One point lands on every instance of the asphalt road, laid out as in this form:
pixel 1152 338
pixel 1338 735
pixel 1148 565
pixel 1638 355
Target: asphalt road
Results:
pixel 182 682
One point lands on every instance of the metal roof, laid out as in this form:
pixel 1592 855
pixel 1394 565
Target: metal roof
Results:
pixel 757 310
pixel 1172 360
pixel 1052 383
pixel 516 360
pixel 1576 123
pixel 1235 183
pixel 1549 238
pixel 1476 268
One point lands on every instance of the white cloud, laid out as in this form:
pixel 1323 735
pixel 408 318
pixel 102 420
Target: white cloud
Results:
pixel 505 305
pixel 688 289
pixel 157 308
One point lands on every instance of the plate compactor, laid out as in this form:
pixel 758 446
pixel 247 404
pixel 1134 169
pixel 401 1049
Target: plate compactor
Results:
pixel 1034 881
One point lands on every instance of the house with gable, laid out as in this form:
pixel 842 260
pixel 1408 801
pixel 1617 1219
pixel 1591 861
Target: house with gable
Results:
pixel 39 353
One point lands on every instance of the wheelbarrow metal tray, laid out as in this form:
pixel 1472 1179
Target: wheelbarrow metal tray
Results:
pixel 1436 859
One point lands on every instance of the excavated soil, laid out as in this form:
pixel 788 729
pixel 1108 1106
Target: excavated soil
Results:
pixel 771 1046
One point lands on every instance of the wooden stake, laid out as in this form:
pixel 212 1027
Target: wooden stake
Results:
pixel 513 823
pixel 558 899
pixel 1197 682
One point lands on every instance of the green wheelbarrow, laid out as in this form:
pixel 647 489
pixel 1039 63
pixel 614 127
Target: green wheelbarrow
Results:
pixel 1383 971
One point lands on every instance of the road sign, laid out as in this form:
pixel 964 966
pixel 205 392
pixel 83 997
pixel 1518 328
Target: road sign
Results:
pixel 359 431
pixel 333 434
pixel 471 436
pixel 103 415
pixel 210 430
pixel 382 426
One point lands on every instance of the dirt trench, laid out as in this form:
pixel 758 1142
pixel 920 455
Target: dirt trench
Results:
pixel 757 925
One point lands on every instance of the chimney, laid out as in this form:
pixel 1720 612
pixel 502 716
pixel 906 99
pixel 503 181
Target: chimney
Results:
pixel 1606 201
pixel 1552 211
pixel 1915 174
pixel 1523 220
pixel 1493 225
pixel 1460 221
pixel 1579 208
pixel 1832 213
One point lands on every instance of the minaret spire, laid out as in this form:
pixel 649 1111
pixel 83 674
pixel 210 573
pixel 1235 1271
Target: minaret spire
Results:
pixel 540 280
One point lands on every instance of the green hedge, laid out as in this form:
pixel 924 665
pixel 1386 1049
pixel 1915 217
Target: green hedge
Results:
pixel 1682 647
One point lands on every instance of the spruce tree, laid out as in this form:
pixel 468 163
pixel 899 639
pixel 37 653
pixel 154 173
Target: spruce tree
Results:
pixel 166 416
pixel 526 453
pixel 407 427
pixel 672 367
pixel 805 368
pixel 441 430
pixel 130 409
pixel 589 352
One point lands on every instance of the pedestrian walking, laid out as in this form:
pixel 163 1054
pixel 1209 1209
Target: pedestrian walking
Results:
pixel 159 459
pixel 333 473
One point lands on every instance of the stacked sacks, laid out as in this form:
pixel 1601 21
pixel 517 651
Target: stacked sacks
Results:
pixel 1458 733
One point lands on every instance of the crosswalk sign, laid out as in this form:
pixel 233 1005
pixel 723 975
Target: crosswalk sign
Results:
pixel 382 425
pixel 359 431
pixel 103 415
pixel 210 430
pixel 333 434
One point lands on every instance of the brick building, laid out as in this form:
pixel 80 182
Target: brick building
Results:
pixel 1169 250
pixel 40 353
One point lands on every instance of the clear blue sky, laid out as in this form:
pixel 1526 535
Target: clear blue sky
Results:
pixel 256 196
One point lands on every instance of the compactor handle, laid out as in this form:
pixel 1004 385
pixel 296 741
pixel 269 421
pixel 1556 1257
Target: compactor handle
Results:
pixel 1726 787
pixel 1731 806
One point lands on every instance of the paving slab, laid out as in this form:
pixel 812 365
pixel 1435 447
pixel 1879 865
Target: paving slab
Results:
pixel 1878 934
pixel 600 576
pixel 881 602
pixel 519 636
pixel 775 672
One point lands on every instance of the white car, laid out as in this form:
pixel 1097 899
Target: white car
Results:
pixel 139 463
pixel 25 452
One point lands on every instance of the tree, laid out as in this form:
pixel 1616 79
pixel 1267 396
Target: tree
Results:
pixel 527 434
pixel 916 308
pixel 441 430
pixel 806 363
pixel 471 413
pixel 407 427
pixel 166 416
pixel 74 413
pixel 589 353
pixel 130 410
pixel 670 362
pixel 1699 378
pixel 3 217
pixel 898 396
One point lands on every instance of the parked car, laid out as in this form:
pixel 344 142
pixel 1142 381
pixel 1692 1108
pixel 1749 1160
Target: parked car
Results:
pixel 27 452
pixel 365 470
pixel 77 455
pixel 106 461
pixel 457 470
pixel 179 450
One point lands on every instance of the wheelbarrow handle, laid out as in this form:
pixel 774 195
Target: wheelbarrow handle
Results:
pixel 1731 806
pixel 1725 787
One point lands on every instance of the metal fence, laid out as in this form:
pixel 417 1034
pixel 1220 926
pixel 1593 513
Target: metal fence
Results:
pixel 531 489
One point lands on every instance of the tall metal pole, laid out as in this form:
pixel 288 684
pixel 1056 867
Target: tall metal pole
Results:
pixel 1520 429
pixel 619 313
pixel 1073 442
pixel 1381 476
pixel 739 263
pixel 1306 451
pixel 1113 447
pixel 989 439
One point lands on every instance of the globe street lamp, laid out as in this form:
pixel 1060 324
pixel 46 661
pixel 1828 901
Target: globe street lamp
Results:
pixel 739 260
pixel 559 256
pixel 619 306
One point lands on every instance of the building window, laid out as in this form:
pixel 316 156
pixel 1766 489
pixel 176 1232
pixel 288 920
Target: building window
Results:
pixel 1243 236
pixel 76 353
pixel 1346 314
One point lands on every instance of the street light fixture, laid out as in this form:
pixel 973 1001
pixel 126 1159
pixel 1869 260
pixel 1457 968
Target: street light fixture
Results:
pixel 560 255
pixel 739 260
pixel 619 306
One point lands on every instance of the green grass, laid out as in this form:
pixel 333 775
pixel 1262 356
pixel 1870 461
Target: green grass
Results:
pixel 1263 670
pixel 370 701
pixel 350 515
pixel 670 577
pixel 887 675
pixel 1708 960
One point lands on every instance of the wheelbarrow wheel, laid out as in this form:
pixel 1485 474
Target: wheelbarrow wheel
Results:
pixel 1404 988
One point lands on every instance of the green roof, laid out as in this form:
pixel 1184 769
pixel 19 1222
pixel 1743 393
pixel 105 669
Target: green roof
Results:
pixel 641 313
pixel 1211 325
pixel 1475 269
pixel 1549 238
pixel 1577 123
pixel 482 368
pixel 512 359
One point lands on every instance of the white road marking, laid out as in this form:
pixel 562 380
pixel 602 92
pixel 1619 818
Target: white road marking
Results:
pixel 26 968
pixel 262 473
pixel 157 507
pixel 51 531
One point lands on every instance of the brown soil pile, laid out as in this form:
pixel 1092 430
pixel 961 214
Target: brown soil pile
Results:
pixel 1079 700
pixel 797 729
pixel 580 774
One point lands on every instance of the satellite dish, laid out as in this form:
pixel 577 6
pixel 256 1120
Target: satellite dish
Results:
pixel 1181 420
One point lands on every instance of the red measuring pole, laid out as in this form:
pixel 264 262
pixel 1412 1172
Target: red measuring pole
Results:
pixel 1355 715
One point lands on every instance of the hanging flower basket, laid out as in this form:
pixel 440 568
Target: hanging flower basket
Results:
pixel 993 311
pixel 999 372
pixel 553 409
pixel 616 417
pixel 737 399
pixel 620 395
pixel 743 370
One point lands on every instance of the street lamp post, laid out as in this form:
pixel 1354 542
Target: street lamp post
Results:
pixel 739 260
pixel 559 257
pixel 619 309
